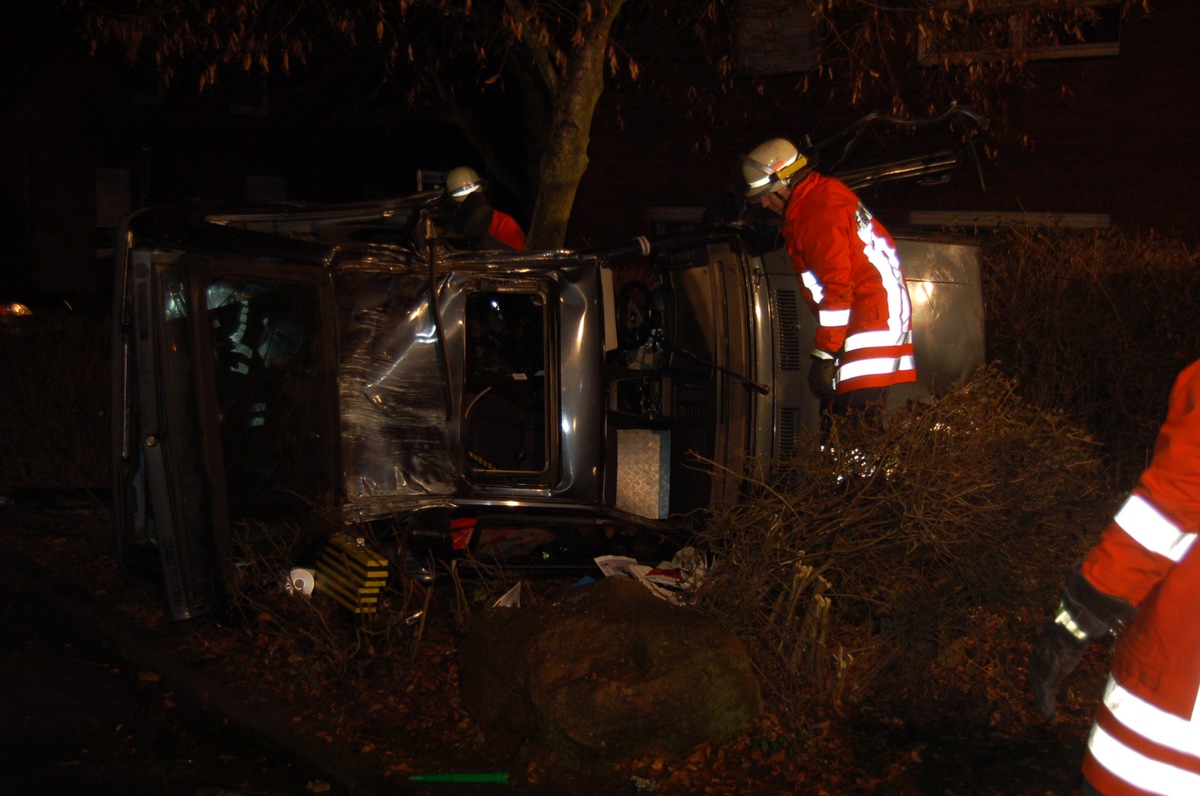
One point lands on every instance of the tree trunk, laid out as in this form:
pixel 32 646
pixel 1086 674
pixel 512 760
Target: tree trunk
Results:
pixel 565 159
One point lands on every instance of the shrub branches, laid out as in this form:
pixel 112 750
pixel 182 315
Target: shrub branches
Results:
pixel 869 554
pixel 1096 324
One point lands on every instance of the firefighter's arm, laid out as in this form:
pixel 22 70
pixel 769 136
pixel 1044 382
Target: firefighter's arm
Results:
pixel 1157 525
pixel 827 250
pixel 1153 529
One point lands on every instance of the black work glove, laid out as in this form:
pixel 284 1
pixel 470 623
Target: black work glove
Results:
pixel 1056 653
pixel 1084 614
pixel 820 377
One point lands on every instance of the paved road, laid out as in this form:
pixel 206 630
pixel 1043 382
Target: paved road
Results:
pixel 76 718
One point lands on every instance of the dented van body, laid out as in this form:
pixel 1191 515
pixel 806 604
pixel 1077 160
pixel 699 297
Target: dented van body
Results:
pixel 314 368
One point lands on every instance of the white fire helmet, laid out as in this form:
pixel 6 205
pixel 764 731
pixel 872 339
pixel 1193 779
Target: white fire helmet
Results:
pixel 462 181
pixel 770 166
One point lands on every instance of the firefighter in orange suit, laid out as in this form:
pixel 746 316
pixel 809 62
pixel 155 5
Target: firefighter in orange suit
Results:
pixel 482 225
pixel 851 274
pixel 1144 574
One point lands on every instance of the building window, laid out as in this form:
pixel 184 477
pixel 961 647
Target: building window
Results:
pixel 775 37
pixel 1020 26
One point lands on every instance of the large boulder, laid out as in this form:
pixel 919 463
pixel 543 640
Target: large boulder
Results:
pixel 607 669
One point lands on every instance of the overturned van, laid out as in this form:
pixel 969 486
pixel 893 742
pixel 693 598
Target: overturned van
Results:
pixel 314 368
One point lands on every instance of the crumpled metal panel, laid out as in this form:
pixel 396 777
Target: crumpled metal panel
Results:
pixel 396 436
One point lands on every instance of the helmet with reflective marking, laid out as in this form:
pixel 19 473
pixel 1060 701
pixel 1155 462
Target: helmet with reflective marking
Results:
pixel 770 166
pixel 461 182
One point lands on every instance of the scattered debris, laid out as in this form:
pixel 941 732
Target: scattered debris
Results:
pixel 675 581
pixel 510 598
pixel 299 581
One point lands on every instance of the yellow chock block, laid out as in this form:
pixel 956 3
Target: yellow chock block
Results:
pixel 352 574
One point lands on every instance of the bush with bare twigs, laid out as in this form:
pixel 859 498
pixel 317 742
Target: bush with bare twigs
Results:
pixel 870 555
pixel 883 556
pixel 313 638
pixel 318 640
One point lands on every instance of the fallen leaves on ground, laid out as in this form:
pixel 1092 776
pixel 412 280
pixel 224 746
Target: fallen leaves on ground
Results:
pixel 978 734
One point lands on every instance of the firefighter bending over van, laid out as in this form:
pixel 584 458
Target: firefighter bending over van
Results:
pixel 851 274
pixel 474 221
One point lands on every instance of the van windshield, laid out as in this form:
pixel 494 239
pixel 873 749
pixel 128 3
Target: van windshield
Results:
pixel 272 409
pixel 396 436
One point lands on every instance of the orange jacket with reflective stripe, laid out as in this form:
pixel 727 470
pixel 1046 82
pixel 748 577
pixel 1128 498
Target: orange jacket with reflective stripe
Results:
pixel 1147 734
pixel 853 282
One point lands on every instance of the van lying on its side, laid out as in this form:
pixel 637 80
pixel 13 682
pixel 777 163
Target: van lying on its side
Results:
pixel 305 369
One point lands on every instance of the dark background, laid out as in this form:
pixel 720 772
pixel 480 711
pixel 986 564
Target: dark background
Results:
pixel 1094 141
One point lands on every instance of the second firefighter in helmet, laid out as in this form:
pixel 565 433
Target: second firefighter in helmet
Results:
pixel 851 275
pixel 474 220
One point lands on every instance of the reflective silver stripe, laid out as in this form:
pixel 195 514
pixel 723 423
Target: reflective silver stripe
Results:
pixel 1155 725
pixel 1064 618
pixel 1143 772
pixel 240 348
pixel 835 317
pixel 1150 722
pixel 887 262
pixel 813 285
pixel 760 183
pixel 1152 530
pixel 877 339
pixel 877 366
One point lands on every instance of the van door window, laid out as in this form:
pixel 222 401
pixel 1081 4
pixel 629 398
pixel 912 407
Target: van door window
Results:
pixel 504 403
